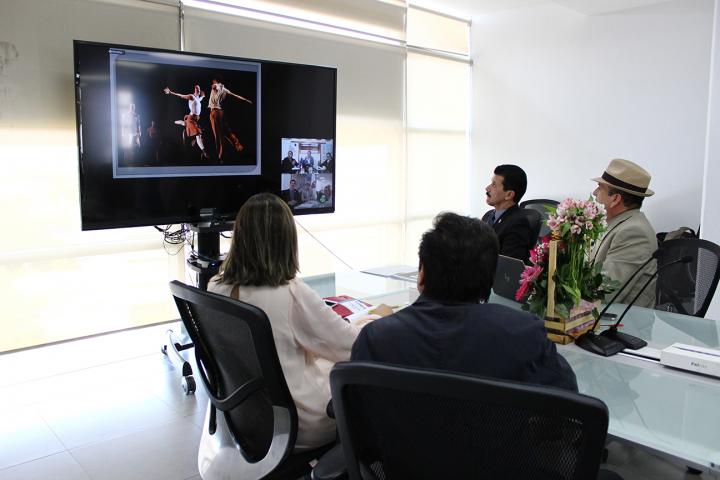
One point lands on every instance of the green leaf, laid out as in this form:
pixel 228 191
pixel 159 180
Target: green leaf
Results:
pixel 536 305
pixel 562 310
pixel 573 292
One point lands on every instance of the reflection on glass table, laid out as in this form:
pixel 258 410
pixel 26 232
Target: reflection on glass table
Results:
pixel 674 413
pixel 670 412
pixel 371 288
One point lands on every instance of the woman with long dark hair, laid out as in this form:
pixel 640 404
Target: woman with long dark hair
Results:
pixel 310 337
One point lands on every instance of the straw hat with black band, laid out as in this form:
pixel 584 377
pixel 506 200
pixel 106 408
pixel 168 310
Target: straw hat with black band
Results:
pixel 626 176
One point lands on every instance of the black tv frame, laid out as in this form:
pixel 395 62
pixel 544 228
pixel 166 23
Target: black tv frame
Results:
pixel 230 191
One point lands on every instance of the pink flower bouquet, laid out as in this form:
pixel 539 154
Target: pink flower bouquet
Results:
pixel 577 224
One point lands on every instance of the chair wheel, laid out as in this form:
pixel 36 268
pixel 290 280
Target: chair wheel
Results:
pixel 188 385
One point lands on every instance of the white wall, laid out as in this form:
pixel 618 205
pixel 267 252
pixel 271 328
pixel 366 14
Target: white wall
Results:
pixel 59 282
pixel 561 93
pixel 711 194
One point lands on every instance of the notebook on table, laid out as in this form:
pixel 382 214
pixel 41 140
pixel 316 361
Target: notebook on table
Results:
pixel 397 272
pixel 348 307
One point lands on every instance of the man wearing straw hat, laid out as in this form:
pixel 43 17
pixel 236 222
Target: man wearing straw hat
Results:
pixel 629 239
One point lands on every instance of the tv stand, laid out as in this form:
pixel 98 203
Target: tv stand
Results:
pixel 206 262
pixel 206 259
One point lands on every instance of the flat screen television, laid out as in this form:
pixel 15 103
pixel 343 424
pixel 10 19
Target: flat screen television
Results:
pixel 170 137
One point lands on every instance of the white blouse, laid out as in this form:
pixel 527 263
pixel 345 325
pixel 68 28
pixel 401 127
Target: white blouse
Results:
pixel 309 337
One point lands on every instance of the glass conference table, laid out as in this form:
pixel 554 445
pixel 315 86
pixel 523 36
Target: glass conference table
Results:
pixel 670 412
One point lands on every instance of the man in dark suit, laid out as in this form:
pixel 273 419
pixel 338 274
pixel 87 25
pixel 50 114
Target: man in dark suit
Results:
pixel 288 163
pixel 292 195
pixel 507 187
pixel 447 328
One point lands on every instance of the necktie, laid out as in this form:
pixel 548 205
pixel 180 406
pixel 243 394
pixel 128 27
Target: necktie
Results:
pixel 492 219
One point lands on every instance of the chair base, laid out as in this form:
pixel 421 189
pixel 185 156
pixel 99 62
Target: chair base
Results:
pixel 298 465
pixel 331 466
pixel 608 475
pixel 219 457
pixel 172 350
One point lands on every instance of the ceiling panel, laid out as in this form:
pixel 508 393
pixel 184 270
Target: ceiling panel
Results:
pixel 471 8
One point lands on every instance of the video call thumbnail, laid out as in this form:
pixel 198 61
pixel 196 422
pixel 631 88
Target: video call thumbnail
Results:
pixel 307 168
pixel 305 155
pixel 307 190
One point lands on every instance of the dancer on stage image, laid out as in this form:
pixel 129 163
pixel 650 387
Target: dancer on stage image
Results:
pixel 192 119
pixel 221 130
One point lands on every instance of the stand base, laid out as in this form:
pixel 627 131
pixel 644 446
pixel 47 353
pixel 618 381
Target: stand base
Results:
pixel 633 343
pixel 598 344
pixel 206 262
pixel 172 350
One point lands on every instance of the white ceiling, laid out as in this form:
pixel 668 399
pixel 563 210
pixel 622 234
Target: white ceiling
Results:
pixel 595 7
pixel 471 8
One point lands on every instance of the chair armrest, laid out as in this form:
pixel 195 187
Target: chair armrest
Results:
pixel 331 465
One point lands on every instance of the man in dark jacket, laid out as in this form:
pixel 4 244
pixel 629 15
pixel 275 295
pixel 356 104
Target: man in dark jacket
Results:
pixel 507 187
pixel 447 328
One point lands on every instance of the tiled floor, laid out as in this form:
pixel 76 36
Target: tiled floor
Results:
pixel 106 408
pixel 111 408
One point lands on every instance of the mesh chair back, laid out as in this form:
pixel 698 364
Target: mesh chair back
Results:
pixel 539 205
pixel 535 219
pixel 687 288
pixel 239 366
pixel 406 423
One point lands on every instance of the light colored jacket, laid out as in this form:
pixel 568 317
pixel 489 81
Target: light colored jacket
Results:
pixel 628 242
pixel 309 337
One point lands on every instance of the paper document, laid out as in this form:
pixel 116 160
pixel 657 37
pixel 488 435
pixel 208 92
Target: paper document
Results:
pixel 645 352
pixel 408 277
pixel 391 271
pixel 359 314
pixel 346 306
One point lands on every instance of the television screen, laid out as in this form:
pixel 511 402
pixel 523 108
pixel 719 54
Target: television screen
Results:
pixel 174 137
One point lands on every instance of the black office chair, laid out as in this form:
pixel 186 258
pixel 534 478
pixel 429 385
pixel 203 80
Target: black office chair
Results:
pixel 251 421
pixel 398 423
pixel 539 205
pixel 687 288
pixel 536 221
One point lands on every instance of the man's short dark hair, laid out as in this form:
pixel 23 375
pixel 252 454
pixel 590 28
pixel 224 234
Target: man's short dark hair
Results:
pixel 458 257
pixel 514 179
pixel 629 200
